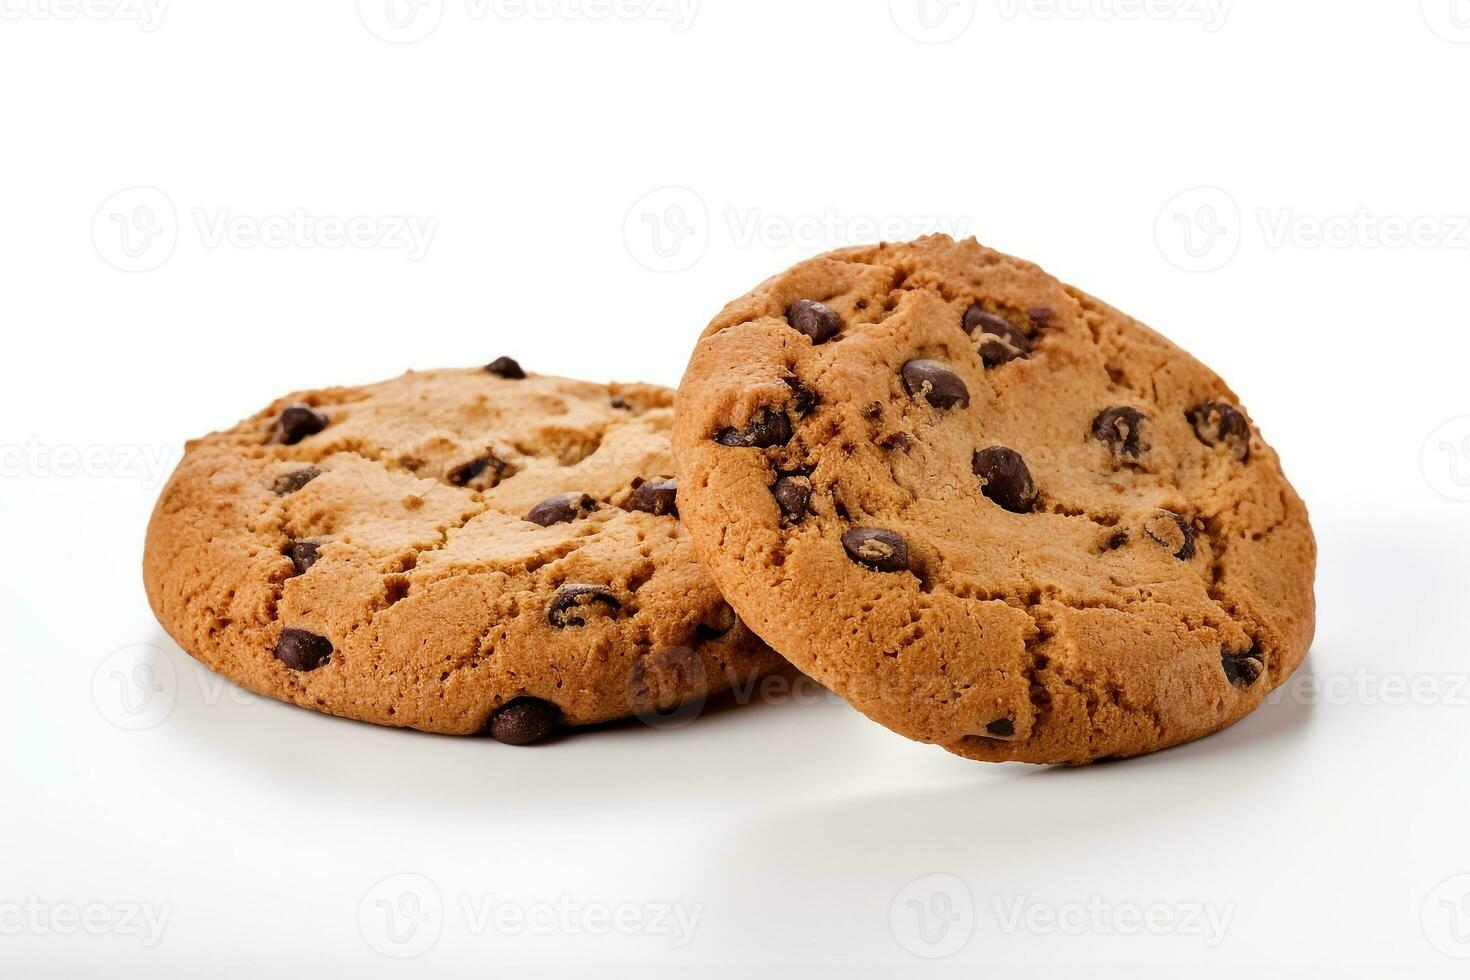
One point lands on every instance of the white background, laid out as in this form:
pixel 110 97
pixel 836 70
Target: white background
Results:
pixel 534 149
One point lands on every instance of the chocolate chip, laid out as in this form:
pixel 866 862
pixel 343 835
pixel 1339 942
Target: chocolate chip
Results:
pixel 1007 480
pixel 522 721
pixel 803 399
pixel 816 320
pixel 656 497
pixel 1242 669
pixel 301 650
pixel 621 404
pixel 506 367
pixel 793 495
pixel 1117 540
pixel 465 473
pixel 898 441
pixel 1186 552
pixel 999 340
pixel 1219 424
pixel 574 602
pixel 1119 428
pixel 296 422
pixel 717 624
pixel 935 383
pixel 1041 316
pixel 979 318
pixel 1001 728
pixel 664 676
pixel 295 480
pixel 766 428
pixel 995 351
pixel 838 505
pixel 1173 532
pixel 560 509
pixel 879 549
pixel 303 554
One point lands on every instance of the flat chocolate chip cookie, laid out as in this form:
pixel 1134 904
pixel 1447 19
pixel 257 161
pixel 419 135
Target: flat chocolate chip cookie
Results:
pixel 463 551
pixel 990 511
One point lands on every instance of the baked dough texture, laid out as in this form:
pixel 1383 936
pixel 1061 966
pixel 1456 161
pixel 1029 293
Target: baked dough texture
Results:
pixel 992 512
pixel 430 550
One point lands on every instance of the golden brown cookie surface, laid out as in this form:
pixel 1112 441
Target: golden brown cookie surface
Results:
pixel 455 551
pixel 989 510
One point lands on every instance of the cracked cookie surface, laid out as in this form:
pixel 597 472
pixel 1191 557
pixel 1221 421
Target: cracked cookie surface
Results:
pixel 989 510
pixel 457 551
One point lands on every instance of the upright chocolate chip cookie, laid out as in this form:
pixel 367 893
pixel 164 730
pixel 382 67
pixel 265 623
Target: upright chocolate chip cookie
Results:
pixel 1007 519
pixel 478 551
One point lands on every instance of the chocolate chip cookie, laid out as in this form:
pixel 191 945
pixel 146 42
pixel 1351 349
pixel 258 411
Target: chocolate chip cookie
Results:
pixel 457 551
pixel 991 511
